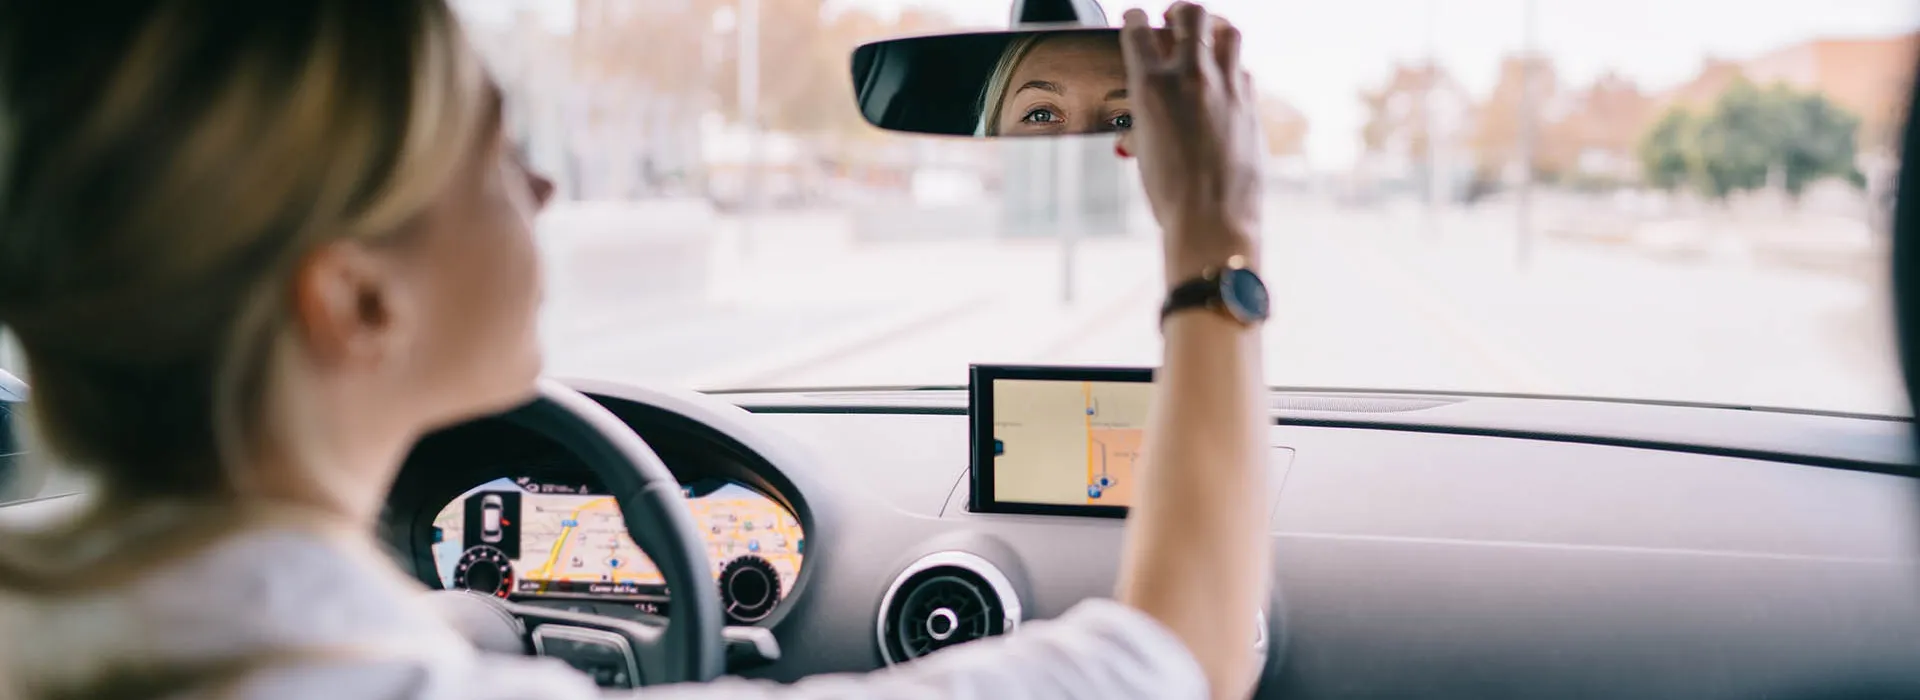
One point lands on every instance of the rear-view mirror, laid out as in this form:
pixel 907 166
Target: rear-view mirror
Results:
pixel 1026 83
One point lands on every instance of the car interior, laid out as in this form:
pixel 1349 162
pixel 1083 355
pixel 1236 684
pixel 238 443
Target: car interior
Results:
pixel 1425 544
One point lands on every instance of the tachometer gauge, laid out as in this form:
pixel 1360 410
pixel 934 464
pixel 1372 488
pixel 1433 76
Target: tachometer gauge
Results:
pixel 484 569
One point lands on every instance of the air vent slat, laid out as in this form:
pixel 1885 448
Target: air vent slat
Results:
pixel 944 600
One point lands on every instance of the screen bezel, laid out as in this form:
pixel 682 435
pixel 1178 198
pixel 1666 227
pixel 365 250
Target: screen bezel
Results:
pixel 980 423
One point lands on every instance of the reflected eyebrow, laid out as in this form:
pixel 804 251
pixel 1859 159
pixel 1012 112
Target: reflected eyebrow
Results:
pixel 1119 94
pixel 1041 85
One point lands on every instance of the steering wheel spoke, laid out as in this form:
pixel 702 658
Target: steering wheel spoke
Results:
pixel 617 653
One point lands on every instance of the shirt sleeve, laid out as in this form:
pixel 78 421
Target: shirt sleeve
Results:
pixel 1099 649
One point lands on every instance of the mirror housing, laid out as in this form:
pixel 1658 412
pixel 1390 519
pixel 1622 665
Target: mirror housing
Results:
pixel 1085 13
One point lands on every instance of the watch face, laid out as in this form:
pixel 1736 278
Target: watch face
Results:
pixel 1244 295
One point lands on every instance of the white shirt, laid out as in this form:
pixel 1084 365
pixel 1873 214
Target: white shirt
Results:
pixel 319 616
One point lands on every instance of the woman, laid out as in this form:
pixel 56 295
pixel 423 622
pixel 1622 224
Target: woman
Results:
pixel 252 251
pixel 1053 83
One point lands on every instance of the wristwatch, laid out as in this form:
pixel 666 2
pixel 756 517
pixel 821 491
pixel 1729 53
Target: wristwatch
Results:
pixel 1230 289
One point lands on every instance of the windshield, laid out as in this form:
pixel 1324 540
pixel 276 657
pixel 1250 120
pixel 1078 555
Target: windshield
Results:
pixel 1676 200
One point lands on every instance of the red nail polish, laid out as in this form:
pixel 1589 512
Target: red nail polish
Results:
pixel 1121 150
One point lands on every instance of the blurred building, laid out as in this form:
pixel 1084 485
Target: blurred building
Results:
pixel 1870 77
pixel 1418 135
pixel 1596 136
pixel 1700 92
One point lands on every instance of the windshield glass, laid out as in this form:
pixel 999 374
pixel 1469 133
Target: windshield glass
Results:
pixel 1637 199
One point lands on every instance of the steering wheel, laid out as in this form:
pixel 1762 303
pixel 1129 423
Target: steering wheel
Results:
pixel 617 652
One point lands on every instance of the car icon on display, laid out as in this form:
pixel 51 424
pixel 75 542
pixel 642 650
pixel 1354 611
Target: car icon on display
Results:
pixel 491 507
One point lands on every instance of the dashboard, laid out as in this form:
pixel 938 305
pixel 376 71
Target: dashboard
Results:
pixel 527 538
pixel 1424 545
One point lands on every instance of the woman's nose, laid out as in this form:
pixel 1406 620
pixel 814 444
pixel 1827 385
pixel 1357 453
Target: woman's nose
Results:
pixel 542 189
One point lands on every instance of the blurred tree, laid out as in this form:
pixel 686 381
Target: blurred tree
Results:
pixel 1667 151
pixel 1820 141
pixel 1753 138
pixel 1285 126
pixel 1739 141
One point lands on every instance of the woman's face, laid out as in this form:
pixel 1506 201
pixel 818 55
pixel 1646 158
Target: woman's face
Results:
pixel 1068 84
pixel 478 277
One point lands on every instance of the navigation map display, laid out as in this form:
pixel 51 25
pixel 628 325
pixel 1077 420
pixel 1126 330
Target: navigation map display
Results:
pixel 530 538
pixel 1057 440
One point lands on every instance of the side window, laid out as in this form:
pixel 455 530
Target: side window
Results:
pixel 10 355
pixel 39 491
pixel 13 393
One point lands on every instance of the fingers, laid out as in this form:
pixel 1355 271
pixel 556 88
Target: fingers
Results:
pixel 1138 47
pixel 1192 29
pixel 1226 47
pixel 1163 40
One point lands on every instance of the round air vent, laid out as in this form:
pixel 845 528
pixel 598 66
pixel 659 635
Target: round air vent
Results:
pixel 945 598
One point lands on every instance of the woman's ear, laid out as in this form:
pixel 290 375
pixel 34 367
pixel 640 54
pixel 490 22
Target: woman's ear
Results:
pixel 346 299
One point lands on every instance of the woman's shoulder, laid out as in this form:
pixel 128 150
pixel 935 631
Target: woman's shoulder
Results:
pixel 253 593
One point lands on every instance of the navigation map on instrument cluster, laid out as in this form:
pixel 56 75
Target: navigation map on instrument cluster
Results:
pixel 1067 442
pixel 571 540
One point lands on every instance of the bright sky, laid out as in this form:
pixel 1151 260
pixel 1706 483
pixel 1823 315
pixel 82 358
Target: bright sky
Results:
pixel 1318 55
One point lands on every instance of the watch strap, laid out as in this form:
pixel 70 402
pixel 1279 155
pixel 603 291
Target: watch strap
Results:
pixel 1199 292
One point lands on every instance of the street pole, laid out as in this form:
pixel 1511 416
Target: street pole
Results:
pixel 1069 152
pixel 1524 237
pixel 1434 165
pixel 748 33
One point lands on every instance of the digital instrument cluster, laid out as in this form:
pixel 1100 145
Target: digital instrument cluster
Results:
pixel 526 538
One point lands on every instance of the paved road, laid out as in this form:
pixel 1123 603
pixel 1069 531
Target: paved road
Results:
pixel 1363 299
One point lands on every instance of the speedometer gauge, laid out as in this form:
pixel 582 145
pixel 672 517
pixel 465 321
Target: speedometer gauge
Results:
pixel 484 569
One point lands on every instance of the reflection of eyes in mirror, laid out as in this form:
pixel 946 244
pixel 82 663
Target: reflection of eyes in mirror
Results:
pixel 1047 82
pixel 1057 83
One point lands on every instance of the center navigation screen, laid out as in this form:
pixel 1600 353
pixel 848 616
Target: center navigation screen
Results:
pixel 1057 440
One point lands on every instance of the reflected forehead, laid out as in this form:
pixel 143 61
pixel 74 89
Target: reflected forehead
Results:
pixel 1073 56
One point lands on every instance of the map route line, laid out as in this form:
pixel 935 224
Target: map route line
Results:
pixel 1086 391
pixel 559 544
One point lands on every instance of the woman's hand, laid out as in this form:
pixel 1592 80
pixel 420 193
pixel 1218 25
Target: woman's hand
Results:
pixel 1197 134
pixel 1197 556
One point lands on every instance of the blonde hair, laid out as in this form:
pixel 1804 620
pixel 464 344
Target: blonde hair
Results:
pixel 994 97
pixel 164 166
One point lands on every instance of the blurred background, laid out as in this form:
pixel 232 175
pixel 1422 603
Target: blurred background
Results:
pixel 1681 200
